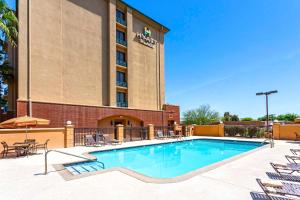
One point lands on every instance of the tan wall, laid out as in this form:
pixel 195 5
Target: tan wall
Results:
pixel 73 57
pixel 59 137
pixel 209 130
pixel 285 132
pixel 146 75
pixel 68 51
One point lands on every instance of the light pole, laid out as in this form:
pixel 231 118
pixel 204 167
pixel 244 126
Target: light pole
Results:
pixel 267 108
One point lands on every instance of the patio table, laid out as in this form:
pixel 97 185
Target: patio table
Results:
pixel 21 148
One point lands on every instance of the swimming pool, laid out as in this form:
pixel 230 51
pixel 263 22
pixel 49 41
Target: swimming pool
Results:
pixel 166 160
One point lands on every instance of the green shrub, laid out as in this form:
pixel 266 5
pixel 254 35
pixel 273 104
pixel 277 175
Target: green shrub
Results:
pixel 244 131
pixel 252 131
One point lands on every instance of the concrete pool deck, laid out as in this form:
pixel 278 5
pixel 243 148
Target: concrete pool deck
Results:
pixel 22 178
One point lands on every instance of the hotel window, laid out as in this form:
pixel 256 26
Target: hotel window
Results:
pixel 121 38
pixel 121 99
pixel 121 79
pixel 121 58
pixel 121 18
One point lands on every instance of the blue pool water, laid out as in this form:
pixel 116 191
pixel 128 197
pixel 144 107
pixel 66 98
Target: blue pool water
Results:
pixel 167 160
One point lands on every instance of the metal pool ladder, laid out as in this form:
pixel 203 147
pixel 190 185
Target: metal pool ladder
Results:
pixel 68 154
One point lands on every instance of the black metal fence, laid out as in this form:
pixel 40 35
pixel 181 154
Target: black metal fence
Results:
pixel 135 133
pixel 165 130
pixel 80 133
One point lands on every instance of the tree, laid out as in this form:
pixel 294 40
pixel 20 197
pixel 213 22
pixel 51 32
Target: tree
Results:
pixel 8 24
pixel 264 118
pixel 9 35
pixel 290 117
pixel 201 115
pixel 228 117
pixel 247 119
pixel 235 118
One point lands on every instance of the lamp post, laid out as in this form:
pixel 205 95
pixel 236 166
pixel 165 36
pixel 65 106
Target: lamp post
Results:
pixel 267 109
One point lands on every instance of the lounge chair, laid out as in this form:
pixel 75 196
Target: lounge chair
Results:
pixel 42 146
pixel 100 139
pixel 279 188
pixel 89 141
pixel 289 168
pixel 293 159
pixel 160 135
pixel 173 135
pixel 295 151
pixel 7 149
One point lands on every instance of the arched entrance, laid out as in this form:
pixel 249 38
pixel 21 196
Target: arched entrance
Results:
pixel 127 121
pixel 133 127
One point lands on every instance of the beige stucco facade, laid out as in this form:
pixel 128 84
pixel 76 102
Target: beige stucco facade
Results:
pixel 67 54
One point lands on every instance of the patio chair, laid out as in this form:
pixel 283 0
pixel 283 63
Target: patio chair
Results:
pixel 89 141
pixel 7 149
pixel 173 135
pixel 289 168
pixel 42 146
pixel 282 189
pixel 160 135
pixel 32 143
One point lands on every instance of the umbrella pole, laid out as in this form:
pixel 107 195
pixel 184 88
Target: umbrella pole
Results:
pixel 26 132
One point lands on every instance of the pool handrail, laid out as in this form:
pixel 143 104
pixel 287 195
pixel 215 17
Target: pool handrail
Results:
pixel 69 154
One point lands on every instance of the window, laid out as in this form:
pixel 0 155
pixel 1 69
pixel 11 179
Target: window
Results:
pixel 121 79
pixel 120 15
pixel 121 35
pixel 121 58
pixel 121 97
pixel 121 76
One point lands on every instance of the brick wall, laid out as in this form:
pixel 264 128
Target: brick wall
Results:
pixel 172 112
pixel 88 116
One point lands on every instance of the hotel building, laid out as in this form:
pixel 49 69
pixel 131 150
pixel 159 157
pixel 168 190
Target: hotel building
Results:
pixel 96 63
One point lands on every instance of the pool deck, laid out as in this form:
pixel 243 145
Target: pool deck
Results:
pixel 23 179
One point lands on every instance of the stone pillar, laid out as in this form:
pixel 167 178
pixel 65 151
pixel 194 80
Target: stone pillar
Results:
pixel 69 136
pixel 221 130
pixel 276 131
pixel 112 52
pixel 151 134
pixel 120 133
pixel 178 129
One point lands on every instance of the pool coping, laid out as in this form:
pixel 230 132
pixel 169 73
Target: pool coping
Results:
pixel 68 176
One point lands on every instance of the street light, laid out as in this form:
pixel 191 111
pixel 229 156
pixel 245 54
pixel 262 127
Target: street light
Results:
pixel 267 106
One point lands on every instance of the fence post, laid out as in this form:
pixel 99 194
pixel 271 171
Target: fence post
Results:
pixel 69 136
pixel 221 130
pixel 120 132
pixel 151 135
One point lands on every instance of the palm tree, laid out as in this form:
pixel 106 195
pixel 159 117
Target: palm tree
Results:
pixel 8 36
pixel 8 23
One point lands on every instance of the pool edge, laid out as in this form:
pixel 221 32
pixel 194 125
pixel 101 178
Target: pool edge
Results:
pixel 66 174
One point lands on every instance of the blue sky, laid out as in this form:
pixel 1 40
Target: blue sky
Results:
pixel 221 52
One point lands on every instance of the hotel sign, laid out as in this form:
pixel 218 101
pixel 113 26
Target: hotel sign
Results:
pixel 145 38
